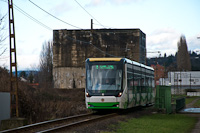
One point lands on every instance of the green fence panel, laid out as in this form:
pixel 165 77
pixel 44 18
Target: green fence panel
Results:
pixel 180 103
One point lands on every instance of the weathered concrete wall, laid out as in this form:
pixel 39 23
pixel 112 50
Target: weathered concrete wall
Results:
pixel 72 47
pixel 69 51
pixel 69 77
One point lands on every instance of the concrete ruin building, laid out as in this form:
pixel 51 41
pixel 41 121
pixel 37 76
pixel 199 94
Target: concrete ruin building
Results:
pixel 72 47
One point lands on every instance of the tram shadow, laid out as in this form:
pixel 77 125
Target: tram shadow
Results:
pixel 135 110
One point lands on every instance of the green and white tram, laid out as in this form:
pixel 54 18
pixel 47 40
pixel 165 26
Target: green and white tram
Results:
pixel 117 83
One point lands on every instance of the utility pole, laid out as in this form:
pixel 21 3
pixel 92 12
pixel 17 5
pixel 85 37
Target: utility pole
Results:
pixel 14 106
pixel 91 24
pixel 91 31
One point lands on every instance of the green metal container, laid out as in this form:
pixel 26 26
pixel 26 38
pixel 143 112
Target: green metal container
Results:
pixel 163 98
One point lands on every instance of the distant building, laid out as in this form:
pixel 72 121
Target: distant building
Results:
pixel 181 82
pixel 72 47
pixel 23 79
pixel 159 72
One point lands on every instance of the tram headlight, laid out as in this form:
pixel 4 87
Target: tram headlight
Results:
pixel 87 94
pixel 120 94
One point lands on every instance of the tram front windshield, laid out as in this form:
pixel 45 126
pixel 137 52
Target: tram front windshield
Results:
pixel 105 79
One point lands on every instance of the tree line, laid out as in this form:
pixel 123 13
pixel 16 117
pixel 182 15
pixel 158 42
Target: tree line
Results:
pixel 183 60
pixel 170 62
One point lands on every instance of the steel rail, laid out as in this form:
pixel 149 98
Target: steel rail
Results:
pixel 40 124
pixel 55 129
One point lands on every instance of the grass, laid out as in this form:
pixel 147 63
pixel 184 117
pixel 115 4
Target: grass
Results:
pixel 174 97
pixel 197 104
pixel 187 99
pixel 158 123
pixel 190 99
pixel 178 96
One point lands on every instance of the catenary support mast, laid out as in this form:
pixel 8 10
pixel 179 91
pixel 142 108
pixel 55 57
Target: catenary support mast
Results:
pixel 14 111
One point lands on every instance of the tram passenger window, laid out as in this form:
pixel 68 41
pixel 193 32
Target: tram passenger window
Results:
pixel 129 81
pixel 147 82
pixel 143 89
pixel 137 81
pixel 138 89
pixel 142 81
pixel 150 82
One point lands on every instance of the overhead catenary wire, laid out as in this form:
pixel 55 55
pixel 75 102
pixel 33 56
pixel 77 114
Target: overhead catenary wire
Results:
pixel 47 27
pixel 43 25
pixel 76 27
pixel 93 17
pixel 32 18
pixel 53 15
pixel 40 23
pixel 88 13
pixel 103 51
pixel 92 45
pixel 29 16
pixel 106 26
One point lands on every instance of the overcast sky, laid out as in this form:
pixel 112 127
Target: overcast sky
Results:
pixel 163 22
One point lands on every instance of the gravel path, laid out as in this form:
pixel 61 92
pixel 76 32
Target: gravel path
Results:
pixel 191 105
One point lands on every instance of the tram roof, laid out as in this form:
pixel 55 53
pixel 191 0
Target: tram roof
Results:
pixel 138 64
pixel 104 59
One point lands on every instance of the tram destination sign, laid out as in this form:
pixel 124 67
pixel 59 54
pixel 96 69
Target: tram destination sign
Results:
pixel 105 67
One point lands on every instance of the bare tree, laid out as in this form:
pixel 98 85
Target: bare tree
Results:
pixel 46 65
pixel 2 34
pixel 34 70
pixel 4 80
pixel 183 57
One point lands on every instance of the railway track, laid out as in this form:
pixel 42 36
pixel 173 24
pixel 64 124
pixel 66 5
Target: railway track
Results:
pixel 61 124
